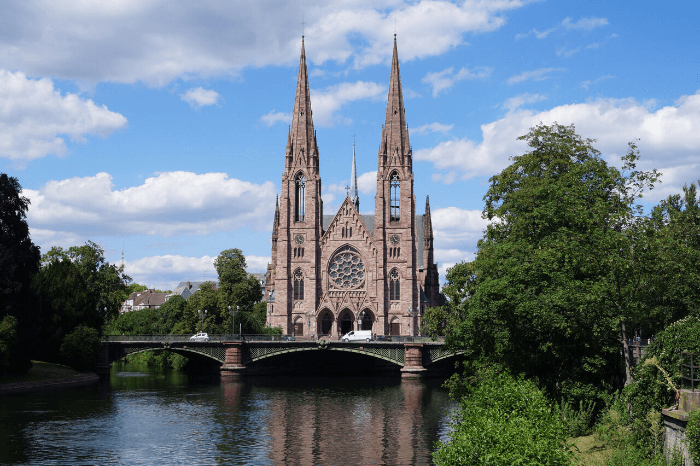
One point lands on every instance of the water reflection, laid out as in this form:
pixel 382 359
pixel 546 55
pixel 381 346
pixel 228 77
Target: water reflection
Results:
pixel 143 417
pixel 334 421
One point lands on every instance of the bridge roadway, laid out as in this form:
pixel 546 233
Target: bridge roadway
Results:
pixel 413 356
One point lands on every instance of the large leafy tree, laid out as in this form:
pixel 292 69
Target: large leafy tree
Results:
pixel 19 261
pixel 238 289
pixel 75 287
pixel 560 268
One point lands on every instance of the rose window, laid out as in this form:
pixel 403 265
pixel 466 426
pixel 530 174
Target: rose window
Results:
pixel 346 269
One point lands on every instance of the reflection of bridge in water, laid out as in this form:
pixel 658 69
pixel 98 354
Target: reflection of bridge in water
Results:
pixel 412 357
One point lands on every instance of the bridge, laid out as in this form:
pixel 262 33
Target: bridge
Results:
pixel 412 357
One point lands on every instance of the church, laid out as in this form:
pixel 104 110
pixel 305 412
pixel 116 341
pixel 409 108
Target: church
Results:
pixel 330 274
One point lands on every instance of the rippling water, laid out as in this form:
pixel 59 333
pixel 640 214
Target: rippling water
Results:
pixel 166 418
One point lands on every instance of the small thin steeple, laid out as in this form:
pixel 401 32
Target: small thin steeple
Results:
pixel 395 145
pixel 354 194
pixel 276 222
pixel 428 224
pixel 302 139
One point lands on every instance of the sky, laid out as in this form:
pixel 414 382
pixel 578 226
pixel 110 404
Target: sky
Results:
pixel 157 128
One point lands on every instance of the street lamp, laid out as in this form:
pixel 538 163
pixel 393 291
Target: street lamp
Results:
pixel 202 315
pixel 411 313
pixel 359 321
pixel 233 321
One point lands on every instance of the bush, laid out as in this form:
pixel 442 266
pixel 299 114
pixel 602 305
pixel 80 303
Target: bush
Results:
pixel 80 348
pixel 692 436
pixel 505 421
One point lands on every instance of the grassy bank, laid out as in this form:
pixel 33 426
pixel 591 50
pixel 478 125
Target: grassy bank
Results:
pixel 41 371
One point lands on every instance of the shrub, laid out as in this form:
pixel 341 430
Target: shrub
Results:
pixel 80 348
pixel 692 436
pixel 505 421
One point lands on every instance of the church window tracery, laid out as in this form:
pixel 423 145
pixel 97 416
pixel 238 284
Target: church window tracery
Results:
pixel 395 207
pixel 394 287
pixel 299 199
pixel 298 285
pixel 346 269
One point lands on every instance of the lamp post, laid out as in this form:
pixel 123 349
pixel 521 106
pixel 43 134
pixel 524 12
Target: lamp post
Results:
pixel 233 320
pixel 202 315
pixel 359 321
pixel 411 313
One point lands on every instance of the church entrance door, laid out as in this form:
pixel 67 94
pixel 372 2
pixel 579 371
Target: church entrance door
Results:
pixel 326 323
pixel 345 322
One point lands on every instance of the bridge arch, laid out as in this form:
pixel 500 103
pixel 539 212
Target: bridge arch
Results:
pixel 211 352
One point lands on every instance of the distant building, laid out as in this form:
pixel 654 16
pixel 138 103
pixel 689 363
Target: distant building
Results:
pixel 146 299
pixel 187 289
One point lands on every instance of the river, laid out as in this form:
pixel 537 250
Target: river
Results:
pixel 167 418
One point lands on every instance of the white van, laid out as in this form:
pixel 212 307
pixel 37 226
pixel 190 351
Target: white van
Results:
pixel 357 335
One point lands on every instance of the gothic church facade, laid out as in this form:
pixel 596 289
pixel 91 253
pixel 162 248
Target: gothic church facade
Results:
pixel 330 274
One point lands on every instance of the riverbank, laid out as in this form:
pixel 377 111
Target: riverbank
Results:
pixel 44 376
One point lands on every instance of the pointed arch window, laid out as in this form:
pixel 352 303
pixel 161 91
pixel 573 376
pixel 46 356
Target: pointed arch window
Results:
pixel 395 206
pixel 394 287
pixel 298 285
pixel 299 198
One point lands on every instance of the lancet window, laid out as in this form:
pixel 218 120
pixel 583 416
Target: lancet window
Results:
pixel 298 285
pixel 395 207
pixel 299 198
pixel 394 289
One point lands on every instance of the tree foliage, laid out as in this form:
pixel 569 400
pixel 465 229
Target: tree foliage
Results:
pixel 504 421
pixel 80 348
pixel 560 268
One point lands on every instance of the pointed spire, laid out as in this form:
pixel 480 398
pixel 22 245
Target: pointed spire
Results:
pixel 428 224
pixel 395 133
pixel 354 194
pixel 276 222
pixel 302 134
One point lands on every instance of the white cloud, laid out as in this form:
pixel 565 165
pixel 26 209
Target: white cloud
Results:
pixel 522 99
pixel 454 227
pixel 35 118
pixel 328 101
pixel 536 33
pixel 567 52
pixel 587 84
pixel 273 117
pixel 168 204
pixel 669 138
pixel 536 75
pixel 158 41
pixel 432 128
pixel 441 80
pixel 166 271
pixel 586 24
pixel 367 183
pixel 199 97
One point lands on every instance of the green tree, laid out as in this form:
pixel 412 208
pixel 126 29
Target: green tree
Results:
pixel 559 271
pixel 238 289
pixel 81 348
pixel 8 340
pixel 504 421
pixel 19 261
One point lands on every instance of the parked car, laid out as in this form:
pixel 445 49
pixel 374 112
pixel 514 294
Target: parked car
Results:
pixel 288 338
pixel 357 335
pixel 200 337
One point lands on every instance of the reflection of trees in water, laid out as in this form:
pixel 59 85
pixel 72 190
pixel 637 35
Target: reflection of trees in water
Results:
pixel 310 420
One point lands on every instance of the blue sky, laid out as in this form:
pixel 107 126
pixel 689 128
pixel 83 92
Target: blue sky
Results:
pixel 159 127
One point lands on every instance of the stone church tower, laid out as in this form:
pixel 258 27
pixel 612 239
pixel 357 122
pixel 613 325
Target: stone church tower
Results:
pixel 334 273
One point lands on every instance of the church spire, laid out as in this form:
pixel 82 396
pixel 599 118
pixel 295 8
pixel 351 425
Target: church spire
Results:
pixel 302 140
pixel 395 147
pixel 428 224
pixel 276 222
pixel 354 194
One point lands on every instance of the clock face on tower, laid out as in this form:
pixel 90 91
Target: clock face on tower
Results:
pixel 394 239
pixel 299 239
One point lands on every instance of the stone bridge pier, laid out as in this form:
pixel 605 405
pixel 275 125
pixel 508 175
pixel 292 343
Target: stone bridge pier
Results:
pixel 233 364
